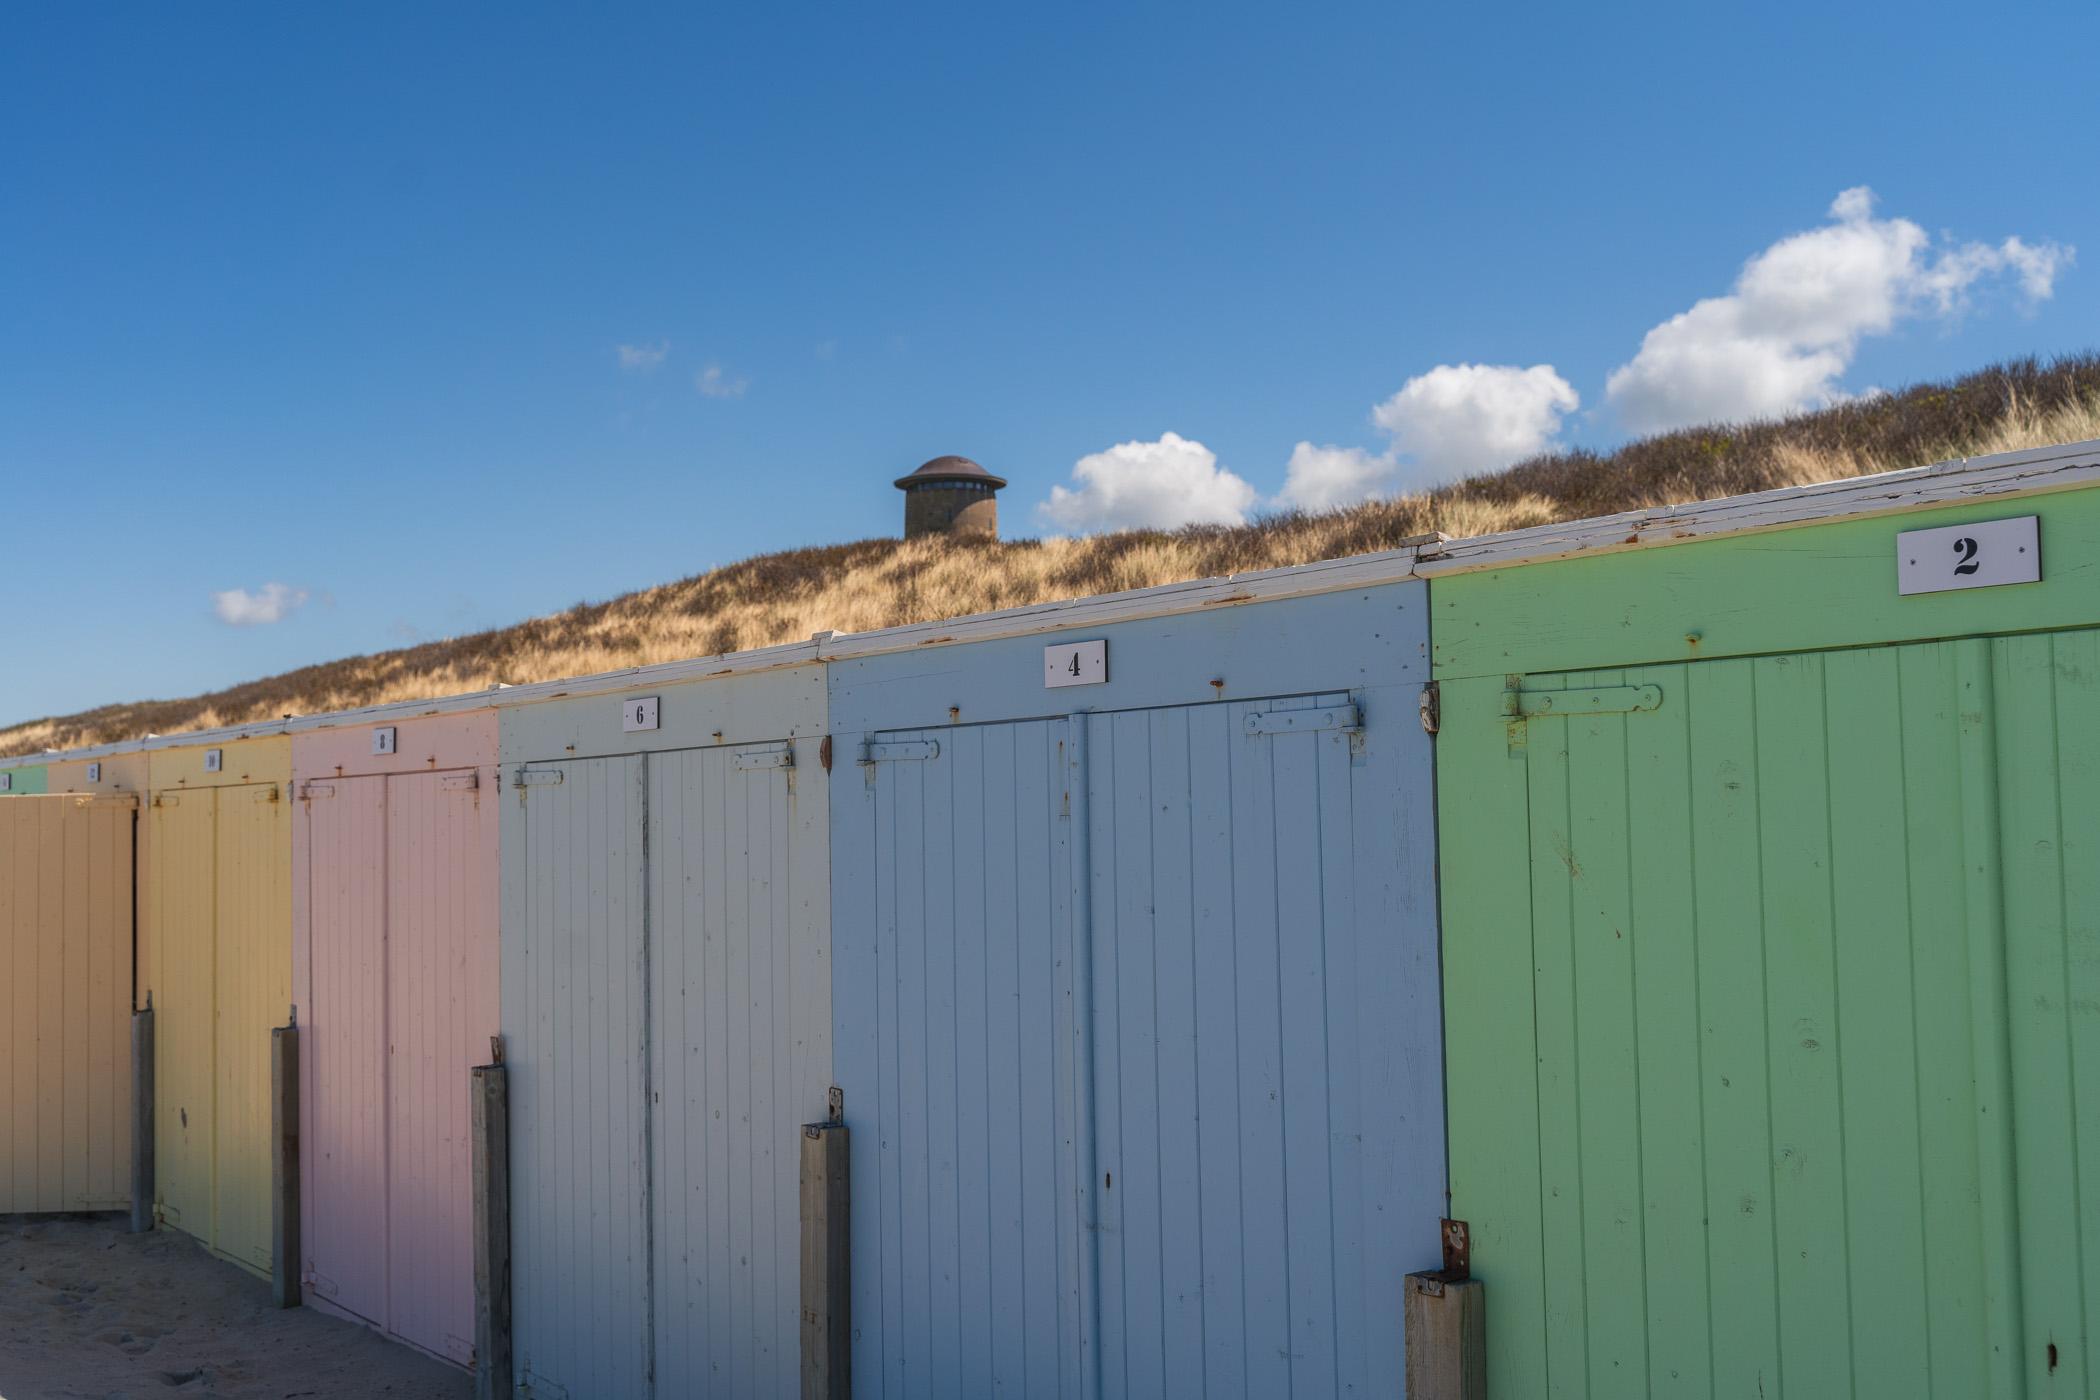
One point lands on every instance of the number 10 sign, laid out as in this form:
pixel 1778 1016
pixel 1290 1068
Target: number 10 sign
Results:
pixel 1982 555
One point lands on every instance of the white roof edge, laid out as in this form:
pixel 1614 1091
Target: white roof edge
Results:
pixel 2031 471
pixel 1194 595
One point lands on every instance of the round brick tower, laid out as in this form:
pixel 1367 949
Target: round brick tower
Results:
pixel 951 496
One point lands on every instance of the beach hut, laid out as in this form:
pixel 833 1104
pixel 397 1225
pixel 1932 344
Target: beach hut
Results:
pixel 1135 997
pixel 666 1018
pixel 394 970
pixel 22 779
pixel 65 1002
pixel 1770 856
pixel 219 974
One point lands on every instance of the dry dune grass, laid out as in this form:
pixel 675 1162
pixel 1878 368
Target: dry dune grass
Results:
pixel 885 583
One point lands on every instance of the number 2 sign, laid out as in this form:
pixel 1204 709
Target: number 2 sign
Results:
pixel 1982 555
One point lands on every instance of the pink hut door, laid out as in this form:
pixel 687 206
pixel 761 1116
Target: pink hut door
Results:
pixel 403 1003
pixel 345 1038
pixel 441 991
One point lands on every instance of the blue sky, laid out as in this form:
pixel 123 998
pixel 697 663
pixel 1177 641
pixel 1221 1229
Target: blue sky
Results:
pixel 335 300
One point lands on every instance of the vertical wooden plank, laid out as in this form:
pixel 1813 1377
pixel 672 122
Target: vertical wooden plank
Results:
pixel 489 1133
pixel 2041 1023
pixel 1490 987
pixel 1446 1326
pixel 2077 680
pixel 77 940
pixel 1666 943
pixel 1602 935
pixel 348 1235
pixel 142 1190
pixel 1877 1065
pixel 1265 1283
pixel 973 1106
pixel 51 1008
pixel 1553 859
pixel 95 884
pixel 1978 744
pixel 12 958
pixel 184 889
pixel 1735 1083
pixel 1804 1042
pixel 284 1166
pixel 1173 883
pixel 1308 1203
pixel 1936 859
pixel 827 1289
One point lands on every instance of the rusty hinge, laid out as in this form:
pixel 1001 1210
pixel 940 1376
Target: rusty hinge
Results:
pixel 1432 708
pixel 1597 700
pixel 824 750
pixel 1458 1250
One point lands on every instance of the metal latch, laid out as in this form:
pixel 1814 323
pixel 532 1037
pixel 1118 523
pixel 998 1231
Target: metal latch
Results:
pixel 773 758
pixel 1602 700
pixel 1304 721
pixel 902 751
pixel 312 790
pixel 1431 707
pixel 538 777
pixel 460 782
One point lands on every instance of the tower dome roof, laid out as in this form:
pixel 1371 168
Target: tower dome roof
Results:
pixel 947 469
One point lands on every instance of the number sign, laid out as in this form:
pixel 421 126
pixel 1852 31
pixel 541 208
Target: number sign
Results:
pixel 383 740
pixel 1982 555
pixel 94 772
pixel 1075 663
pixel 214 760
pixel 637 715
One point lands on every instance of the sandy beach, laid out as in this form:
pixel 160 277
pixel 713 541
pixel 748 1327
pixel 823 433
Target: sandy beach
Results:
pixel 90 1311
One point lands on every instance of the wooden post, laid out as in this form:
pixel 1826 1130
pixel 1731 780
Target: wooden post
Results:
pixel 284 1164
pixel 491 1157
pixel 1446 1326
pixel 827 1277
pixel 142 1118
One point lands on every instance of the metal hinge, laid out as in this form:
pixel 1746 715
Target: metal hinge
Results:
pixel 902 751
pixel 1600 700
pixel 1304 721
pixel 1432 708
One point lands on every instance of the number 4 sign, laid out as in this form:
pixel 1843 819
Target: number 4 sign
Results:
pixel 1075 663
pixel 1982 555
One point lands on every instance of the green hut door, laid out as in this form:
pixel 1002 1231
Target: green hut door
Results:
pixel 1816 946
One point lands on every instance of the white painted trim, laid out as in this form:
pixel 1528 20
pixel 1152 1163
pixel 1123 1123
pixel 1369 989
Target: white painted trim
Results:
pixel 2032 472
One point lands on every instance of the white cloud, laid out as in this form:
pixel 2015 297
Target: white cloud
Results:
pixel 1460 419
pixel 1133 485
pixel 1780 340
pixel 716 383
pixel 1321 478
pixel 273 602
pixel 644 357
pixel 1455 420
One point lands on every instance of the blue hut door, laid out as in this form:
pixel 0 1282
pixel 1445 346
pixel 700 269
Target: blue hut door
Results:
pixel 1254 1183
